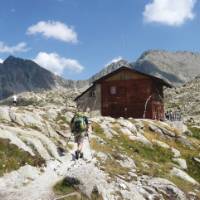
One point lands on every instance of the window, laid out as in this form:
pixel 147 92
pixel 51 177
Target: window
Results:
pixel 113 90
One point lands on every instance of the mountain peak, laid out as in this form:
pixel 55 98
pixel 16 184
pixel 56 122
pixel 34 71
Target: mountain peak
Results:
pixel 11 59
pixel 176 67
pixel 110 67
pixel 21 75
pixel 118 61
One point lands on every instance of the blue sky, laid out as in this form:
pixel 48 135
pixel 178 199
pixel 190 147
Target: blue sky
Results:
pixel 77 38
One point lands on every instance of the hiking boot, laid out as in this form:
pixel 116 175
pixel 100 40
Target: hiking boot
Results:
pixel 81 155
pixel 77 154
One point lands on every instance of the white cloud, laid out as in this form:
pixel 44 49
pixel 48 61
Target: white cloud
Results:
pixel 1 61
pixel 20 47
pixel 54 29
pixel 169 12
pixel 114 60
pixel 57 64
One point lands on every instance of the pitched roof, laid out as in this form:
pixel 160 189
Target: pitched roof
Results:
pixel 161 81
pixel 84 92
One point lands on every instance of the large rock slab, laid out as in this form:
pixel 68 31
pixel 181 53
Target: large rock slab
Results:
pixel 183 175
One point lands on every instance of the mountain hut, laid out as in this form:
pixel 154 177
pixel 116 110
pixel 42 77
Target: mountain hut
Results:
pixel 125 92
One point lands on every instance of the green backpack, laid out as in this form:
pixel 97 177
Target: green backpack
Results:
pixel 79 124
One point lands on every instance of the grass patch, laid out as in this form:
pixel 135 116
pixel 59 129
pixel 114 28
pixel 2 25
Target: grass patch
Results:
pixel 188 154
pixel 153 153
pixel 12 158
pixel 113 168
pixel 195 132
pixel 193 168
pixel 98 147
pixel 152 136
pixel 159 159
pixel 98 130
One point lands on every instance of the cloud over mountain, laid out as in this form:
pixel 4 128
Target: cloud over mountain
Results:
pixel 54 29
pixel 57 64
pixel 169 12
pixel 20 47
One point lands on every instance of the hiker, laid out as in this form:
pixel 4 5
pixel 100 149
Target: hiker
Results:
pixel 14 100
pixel 167 115
pixel 79 127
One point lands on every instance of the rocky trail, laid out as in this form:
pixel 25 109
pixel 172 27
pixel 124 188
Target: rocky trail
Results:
pixel 36 184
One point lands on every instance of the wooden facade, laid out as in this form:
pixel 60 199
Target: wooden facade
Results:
pixel 129 93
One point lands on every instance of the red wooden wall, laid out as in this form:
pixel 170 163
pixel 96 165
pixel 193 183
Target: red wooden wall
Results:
pixel 130 98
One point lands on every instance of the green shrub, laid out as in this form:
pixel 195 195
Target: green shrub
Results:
pixel 62 188
pixel 68 187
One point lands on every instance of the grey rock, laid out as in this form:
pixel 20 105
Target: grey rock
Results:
pixel 161 144
pixel 161 130
pixel 4 114
pixel 127 163
pixel 197 160
pixel 181 162
pixel 175 152
pixel 183 175
pixel 169 189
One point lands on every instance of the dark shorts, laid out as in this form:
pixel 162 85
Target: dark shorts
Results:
pixel 79 138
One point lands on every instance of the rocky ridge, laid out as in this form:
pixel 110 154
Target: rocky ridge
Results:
pixel 20 75
pixel 125 158
pixel 109 68
pixel 176 67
